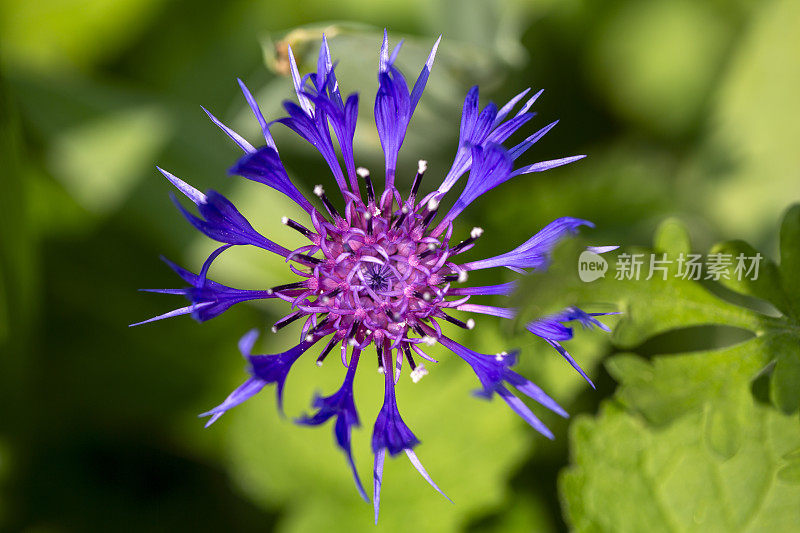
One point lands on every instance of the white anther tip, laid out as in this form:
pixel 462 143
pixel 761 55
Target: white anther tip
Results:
pixel 462 276
pixel 352 342
pixel 309 337
pixel 427 339
pixel 470 324
pixel 274 329
pixel 381 370
pixel 269 291
pixel 284 220
pixel 422 166
pixel 433 203
pixel 318 190
pixel 362 172
pixel 476 232
pixel 418 373
pixel 319 363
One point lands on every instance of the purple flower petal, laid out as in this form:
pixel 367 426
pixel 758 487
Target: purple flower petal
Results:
pixel 238 139
pixel 535 252
pixel 394 105
pixel 377 478
pixel 264 166
pixel 209 298
pixel 190 192
pixel 390 432
pixel 341 405
pixel 503 289
pixel 547 165
pixel 491 167
pixel 424 473
pixel 259 116
pixel 275 368
pixel 224 223
pixel 494 371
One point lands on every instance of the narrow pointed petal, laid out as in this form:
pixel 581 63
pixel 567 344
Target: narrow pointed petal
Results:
pixel 424 473
pixel 383 55
pixel 535 252
pixel 501 312
pixel 238 139
pixel 530 102
pixel 523 411
pixel 396 51
pixel 176 312
pixel 259 116
pixel 275 368
pixel 209 298
pixel 565 354
pixel 244 392
pixel 503 289
pixel 325 67
pixel 359 486
pixel 422 80
pixel 531 390
pixel 522 147
pixel 547 165
pixel 247 342
pixel 506 109
pixel 298 84
pixel 602 249
pixel 190 192
pixel 203 274
pixel 377 478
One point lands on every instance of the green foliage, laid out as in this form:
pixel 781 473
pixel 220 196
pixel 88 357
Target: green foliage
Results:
pixel 670 301
pixel 674 479
pixel 693 445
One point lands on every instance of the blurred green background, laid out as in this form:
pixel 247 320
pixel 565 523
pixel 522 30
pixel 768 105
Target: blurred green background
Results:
pixel 686 108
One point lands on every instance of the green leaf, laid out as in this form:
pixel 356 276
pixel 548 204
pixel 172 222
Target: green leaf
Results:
pixel 671 302
pixel 673 480
pixel 684 434
pixel 669 387
pixel 786 375
pixel 790 258
pixel 767 286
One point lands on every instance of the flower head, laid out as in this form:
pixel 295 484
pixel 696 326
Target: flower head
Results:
pixel 382 271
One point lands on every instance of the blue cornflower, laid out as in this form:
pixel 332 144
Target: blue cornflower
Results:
pixel 379 273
